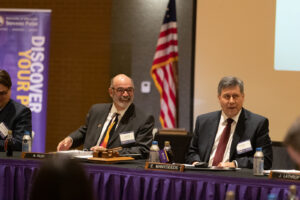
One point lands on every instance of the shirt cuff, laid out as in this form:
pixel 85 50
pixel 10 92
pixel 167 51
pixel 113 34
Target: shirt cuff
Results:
pixel 236 163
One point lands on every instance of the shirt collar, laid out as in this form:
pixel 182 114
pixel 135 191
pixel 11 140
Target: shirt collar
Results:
pixel 114 110
pixel 235 118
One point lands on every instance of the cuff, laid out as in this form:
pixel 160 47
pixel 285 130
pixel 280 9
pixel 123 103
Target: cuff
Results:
pixel 236 163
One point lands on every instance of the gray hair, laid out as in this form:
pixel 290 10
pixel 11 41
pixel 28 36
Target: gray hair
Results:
pixel 230 81
pixel 292 137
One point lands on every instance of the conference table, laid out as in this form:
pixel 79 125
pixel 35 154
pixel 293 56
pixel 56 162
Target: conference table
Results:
pixel 129 180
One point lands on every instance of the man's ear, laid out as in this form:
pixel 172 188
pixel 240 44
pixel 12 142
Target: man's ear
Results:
pixel 110 91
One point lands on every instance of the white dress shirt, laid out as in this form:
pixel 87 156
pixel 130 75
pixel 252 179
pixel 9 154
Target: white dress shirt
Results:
pixel 111 114
pixel 222 125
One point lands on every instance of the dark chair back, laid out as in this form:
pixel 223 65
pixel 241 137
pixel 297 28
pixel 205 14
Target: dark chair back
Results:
pixel 281 158
pixel 179 145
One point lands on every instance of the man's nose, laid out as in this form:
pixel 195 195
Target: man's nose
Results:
pixel 125 93
pixel 231 100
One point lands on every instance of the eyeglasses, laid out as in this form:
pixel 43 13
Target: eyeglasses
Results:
pixel 2 93
pixel 122 90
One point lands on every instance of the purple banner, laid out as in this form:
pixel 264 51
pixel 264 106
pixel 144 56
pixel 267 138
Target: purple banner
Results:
pixel 24 54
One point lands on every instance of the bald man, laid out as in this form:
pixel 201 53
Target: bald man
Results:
pixel 118 124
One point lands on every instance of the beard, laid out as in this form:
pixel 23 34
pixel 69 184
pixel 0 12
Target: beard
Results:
pixel 123 101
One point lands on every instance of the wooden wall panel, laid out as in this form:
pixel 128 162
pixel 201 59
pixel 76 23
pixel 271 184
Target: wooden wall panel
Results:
pixel 79 68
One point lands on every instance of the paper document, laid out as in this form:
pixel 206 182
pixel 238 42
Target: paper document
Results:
pixel 282 171
pixel 76 153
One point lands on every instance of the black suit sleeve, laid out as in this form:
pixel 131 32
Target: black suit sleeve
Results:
pixel 143 139
pixel 78 136
pixel 20 123
pixel 193 152
pixel 260 139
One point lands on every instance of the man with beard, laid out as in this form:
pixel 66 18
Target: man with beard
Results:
pixel 229 137
pixel 118 124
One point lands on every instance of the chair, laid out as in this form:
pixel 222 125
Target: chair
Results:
pixel 179 145
pixel 281 158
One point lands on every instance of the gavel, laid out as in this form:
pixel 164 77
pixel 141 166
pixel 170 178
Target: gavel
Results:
pixel 107 153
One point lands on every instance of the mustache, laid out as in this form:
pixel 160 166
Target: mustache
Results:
pixel 125 98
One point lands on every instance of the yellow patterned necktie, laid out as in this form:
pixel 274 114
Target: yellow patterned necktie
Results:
pixel 110 130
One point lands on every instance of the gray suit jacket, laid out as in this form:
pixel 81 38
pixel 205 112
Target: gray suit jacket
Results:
pixel 133 120
pixel 250 126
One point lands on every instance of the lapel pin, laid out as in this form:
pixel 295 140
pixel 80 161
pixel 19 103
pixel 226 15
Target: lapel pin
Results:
pixel 99 125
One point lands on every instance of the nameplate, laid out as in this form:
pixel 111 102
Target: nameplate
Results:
pixel 164 166
pixel 36 155
pixel 286 176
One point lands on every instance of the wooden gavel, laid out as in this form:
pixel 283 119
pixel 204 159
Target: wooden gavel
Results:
pixel 107 153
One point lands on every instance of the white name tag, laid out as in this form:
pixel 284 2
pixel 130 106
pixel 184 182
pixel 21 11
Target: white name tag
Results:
pixel 3 130
pixel 244 147
pixel 127 137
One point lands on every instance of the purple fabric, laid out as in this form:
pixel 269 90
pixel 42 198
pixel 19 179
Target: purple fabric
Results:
pixel 16 178
pixel 119 183
pixel 111 182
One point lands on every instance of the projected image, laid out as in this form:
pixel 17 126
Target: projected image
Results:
pixel 287 35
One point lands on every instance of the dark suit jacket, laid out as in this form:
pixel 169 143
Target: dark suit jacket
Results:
pixel 133 120
pixel 250 126
pixel 17 118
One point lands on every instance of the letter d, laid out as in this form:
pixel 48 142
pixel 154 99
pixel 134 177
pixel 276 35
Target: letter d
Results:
pixel 38 40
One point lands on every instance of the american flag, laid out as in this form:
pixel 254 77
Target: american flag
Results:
pixel 164 68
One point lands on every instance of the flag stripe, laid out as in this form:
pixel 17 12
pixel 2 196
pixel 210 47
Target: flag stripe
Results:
pixel 168 25
pixel 170 44
pixel 168 108
pixel 170 31
pixel 171 83
pixel 167 38
pixel 158 65
pixel 168 89
pixel 166 58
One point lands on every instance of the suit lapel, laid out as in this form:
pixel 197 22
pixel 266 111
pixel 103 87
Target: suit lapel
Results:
pixel 101 118
pixel 240 127
pixel 212 134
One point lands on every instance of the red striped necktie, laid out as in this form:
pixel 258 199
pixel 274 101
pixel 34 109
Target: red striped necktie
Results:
pixel 222 143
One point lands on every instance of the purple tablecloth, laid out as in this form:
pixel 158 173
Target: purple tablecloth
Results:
pixel 121 182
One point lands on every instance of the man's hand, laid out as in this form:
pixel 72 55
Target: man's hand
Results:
pixel 98 148
pixel 227 164
pixel 65 144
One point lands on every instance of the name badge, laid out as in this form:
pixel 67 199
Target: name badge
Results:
pixel 244 147
pixel 3 130
pixel 127 137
